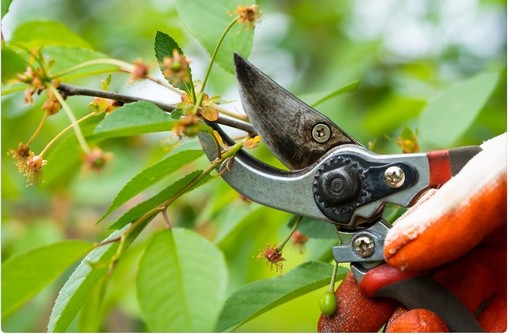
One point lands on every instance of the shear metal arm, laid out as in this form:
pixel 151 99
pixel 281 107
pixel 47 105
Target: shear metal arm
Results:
pixel 317 191
pixel 287 191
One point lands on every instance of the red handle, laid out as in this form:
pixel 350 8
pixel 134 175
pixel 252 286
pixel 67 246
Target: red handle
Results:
pixel 439 167
pixel 444 164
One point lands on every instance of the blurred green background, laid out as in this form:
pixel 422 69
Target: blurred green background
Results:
pixel 402 51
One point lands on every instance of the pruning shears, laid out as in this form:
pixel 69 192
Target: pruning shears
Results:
pixel 333 178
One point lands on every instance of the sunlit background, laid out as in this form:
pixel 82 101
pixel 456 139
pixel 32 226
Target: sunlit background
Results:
pixel 402 51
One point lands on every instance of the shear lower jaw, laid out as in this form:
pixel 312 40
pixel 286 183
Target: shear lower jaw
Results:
pixel 363 246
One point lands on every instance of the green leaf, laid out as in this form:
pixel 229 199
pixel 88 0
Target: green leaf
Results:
pixel 12 64
pixel 5 6
pixel 314 228
pixel 40 34
pixel 393 112
pixel 350 87
pixel 164 46
pixel 80 284
pixel 459 104
pixel 91 315
pixel 133 119
pixel 261 296
pixel 181 283
pixel 23 276
pixel 174 189
pixel 151 175
pixel 177 113
pixel 208 19
pixel 12 87
pixel 320 249
pixel 229 227
pixel 67 57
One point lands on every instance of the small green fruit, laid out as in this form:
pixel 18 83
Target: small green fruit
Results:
pixel 192 130
pixel 328 303
pixel 176 66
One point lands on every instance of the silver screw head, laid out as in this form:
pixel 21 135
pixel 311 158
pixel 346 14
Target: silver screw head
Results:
pixel 394 177
pixel 321 133
pixel 364 246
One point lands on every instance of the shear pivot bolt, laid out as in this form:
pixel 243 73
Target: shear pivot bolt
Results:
pixel 339 185
pixel 364 246
pixel 321 133
pixel 394 177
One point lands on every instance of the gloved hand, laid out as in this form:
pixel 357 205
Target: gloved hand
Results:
pixel 457 234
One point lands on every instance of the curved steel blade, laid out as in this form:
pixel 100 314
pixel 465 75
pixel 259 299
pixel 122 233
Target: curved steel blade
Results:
pixel 285 123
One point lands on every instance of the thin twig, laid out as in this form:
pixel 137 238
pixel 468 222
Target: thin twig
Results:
pixel 79 135
pixel 215 52
pixel 164 84
pixel 333 278
pixel 165 217
pixel 71 90
pixel 232 114
pixel 61 133
pixel 297 220
pixel 41 124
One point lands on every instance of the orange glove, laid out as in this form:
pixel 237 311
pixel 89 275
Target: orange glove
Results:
pixel 457 234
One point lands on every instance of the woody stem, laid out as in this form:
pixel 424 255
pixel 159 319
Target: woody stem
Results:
pixel 71 90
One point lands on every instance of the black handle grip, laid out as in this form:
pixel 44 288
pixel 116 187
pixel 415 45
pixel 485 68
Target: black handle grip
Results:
pixel 423 292
pixel 460 156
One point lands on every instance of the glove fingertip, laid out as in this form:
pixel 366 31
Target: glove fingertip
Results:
pixel 417 321
pixel 461 213
pixel 421 242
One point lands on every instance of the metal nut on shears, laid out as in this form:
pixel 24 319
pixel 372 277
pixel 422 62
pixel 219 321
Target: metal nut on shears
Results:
pixel 339 185
pixel 339 188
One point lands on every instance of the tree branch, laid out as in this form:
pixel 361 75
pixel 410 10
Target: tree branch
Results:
pixel 70 90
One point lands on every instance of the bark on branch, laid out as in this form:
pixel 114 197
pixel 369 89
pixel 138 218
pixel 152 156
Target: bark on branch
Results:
pixel 70 90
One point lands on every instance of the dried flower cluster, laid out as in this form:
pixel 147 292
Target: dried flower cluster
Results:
pixel 408 141
pixel 299 240
pixel 29 164
pixel 52 105
pixel 273 256
pixel 34 79
pixel 95 160
pixel 251 142
pixel 208 110
pixel 249 15
pixel 100 105
pixel 187 126
pixel 176 68
pixel 140 70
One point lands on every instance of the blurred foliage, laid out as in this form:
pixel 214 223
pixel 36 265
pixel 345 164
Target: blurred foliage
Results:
pixel 403 53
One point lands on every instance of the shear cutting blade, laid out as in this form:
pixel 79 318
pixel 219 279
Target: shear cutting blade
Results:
pixel 296 134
